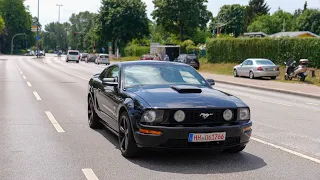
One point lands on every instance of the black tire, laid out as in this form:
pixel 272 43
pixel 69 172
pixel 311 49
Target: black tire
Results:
pixel 303 78
pixel 93 118
pixel 251 75
pixel 127 144
pixel 77 61
pixel 235 73
pixel 67 61
pixel 274 77
pixel 235 149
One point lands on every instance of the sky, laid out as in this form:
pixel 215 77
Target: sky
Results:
pixel 49 10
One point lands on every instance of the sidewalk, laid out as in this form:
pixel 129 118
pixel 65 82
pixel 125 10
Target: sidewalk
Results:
pixel 295 89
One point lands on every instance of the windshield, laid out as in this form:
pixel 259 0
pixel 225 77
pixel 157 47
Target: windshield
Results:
pixel 264 62
pixel 103 56
pixel 73 53
pixel 161 74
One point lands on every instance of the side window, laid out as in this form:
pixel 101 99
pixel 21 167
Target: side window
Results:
pixel 250 63
pixel 112 72
pixel 245 62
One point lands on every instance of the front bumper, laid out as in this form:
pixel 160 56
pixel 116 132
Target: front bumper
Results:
pixel 177 137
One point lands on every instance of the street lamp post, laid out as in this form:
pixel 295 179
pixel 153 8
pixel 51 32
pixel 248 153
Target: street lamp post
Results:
pixel 59 5
pixel 19 34
pixel 38 26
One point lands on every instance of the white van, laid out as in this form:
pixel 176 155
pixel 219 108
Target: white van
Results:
pixel 103 59
pixel 73 55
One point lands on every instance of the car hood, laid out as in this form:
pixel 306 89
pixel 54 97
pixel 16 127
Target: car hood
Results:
pixel 169 97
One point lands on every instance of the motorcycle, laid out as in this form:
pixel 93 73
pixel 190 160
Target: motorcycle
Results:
pixel 294 71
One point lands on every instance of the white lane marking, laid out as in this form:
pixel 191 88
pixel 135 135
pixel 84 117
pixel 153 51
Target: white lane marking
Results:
pixel 313 104
pixel 274 102
pixel 29 84
pixel 37 95
pixel 71 74
pixel 89 174
pixel 24 77
pixel 54 122
pixel 21 72
pixel 287 150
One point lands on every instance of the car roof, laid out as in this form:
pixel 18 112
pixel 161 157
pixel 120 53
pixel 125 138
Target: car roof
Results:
pixel 256 59
pixel 73 51
pixel 149 62
pixel 103 54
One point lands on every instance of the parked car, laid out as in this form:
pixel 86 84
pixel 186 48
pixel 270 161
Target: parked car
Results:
pixel 30 53
pixel 84 56
pixel 91 58
pixel 73 55
pixel 254 68
pixel 190 59
pixel 103 59
pixel 152 104
pixel 147 57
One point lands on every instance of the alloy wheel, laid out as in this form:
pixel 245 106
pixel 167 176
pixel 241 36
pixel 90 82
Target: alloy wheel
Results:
pixel 251 75
pixel 90 111
pixel 124 134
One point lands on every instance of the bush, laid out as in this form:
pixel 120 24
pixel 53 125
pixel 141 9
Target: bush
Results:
pixel 185 44
pixel 23 52
pixel 278 50
pixel 192 50
pixel 135 50
pixel 51 51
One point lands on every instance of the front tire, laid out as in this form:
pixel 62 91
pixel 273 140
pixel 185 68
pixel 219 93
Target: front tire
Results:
pixel 127 143
pixel 274 77
pixel 235 73
pixel 251 75
pixel 235 149
pixel 93 118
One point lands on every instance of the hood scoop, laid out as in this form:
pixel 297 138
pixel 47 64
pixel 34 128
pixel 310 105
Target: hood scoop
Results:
pixel 186 89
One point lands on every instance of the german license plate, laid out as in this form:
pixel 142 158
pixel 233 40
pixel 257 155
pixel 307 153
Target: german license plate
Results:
pixel 270 69
pixel 207 137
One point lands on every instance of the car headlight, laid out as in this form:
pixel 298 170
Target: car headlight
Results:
pixel 227 115
pixel 152 116
pixel 179 116
pixel 243 114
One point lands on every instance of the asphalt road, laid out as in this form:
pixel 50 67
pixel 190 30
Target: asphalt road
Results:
pixel 44 133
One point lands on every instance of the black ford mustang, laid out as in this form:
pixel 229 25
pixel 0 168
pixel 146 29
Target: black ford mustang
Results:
pixel 151 104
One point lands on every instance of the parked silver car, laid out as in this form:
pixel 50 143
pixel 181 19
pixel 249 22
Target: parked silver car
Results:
pixel 254 68
pixel 103 59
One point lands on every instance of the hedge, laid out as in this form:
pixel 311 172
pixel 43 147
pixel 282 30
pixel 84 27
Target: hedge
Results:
pixel 135 50
pixel 278 50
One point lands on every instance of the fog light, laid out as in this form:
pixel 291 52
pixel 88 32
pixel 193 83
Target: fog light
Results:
pixel 227 115
pixel 146 131
pixel 179 116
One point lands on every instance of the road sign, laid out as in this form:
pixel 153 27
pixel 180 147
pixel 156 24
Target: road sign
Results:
pixel 37 38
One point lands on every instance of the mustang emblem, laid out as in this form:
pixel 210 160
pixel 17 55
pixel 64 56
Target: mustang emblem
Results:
pixel 205 115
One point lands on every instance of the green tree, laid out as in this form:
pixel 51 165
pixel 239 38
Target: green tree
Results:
pixel 305 6
pixel 181 17
pixel 255 9
pixel 81 24
pixel 120 21
pixel 18 20
pixel 55 36
pixel 231 18
pixel 309 20
pixel 279 21
pixel 2 25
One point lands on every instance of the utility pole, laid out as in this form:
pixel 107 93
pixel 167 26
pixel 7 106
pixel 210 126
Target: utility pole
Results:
pixel 284 25
pixel 59 5
pixel 38 46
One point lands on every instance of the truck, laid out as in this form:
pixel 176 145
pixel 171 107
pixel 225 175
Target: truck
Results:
pixel 171 50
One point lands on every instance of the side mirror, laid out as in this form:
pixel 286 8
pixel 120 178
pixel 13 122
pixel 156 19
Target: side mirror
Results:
pixel 241 64
pixel 109 81
pixel 211 82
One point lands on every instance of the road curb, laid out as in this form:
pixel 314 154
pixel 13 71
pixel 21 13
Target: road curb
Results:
pixel 269 89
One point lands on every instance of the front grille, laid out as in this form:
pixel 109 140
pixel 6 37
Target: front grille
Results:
pixel 193 117
pixel 182 143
